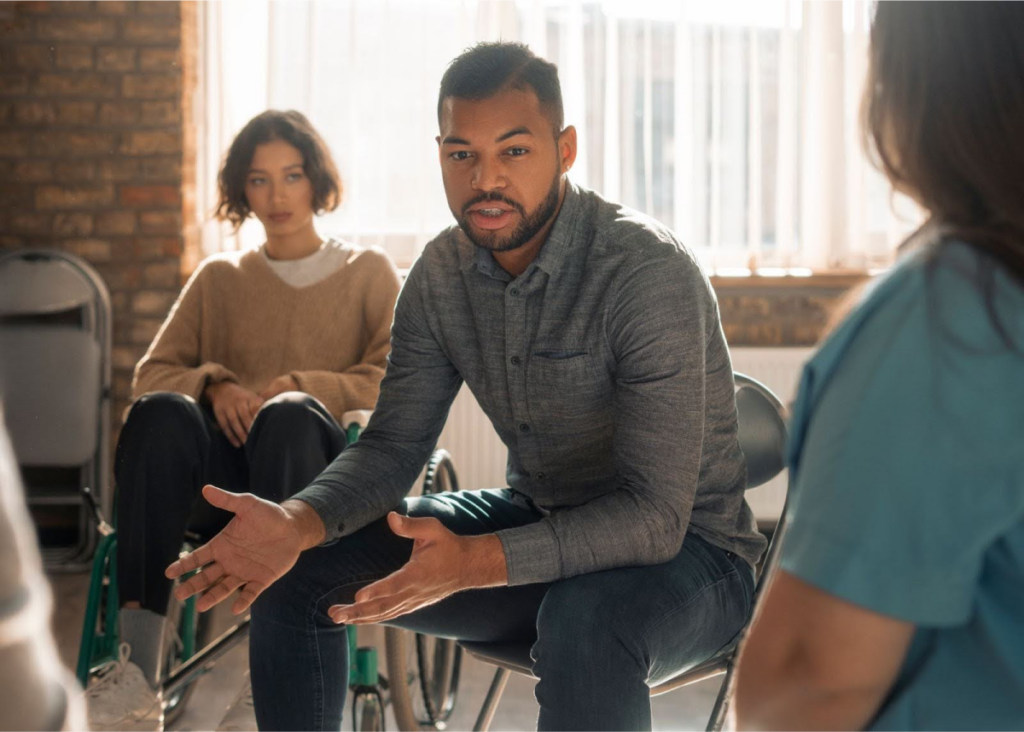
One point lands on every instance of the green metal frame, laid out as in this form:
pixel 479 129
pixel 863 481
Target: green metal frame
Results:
pixel 99 646
pixel 362 663
pixel 100 643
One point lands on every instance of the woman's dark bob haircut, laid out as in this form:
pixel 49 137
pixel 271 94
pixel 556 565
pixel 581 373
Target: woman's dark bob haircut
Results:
pixel 944 111
pixel 291 127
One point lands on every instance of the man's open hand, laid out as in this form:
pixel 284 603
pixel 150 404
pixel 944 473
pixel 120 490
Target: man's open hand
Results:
pixel 441 564
pixel 260 544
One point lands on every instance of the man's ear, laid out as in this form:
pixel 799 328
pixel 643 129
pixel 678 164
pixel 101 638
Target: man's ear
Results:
pixel 566 148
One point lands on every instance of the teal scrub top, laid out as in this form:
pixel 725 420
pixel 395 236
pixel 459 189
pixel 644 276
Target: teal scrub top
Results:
pixel 907 481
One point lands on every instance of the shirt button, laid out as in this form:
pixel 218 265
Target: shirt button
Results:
pixel 541 476
pixel 516 360
pixel 514 291
pixel 524 427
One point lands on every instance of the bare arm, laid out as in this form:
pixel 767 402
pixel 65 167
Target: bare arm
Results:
pixel 814 661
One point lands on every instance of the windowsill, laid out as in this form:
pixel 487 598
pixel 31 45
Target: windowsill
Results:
pixel 839 280
pixel 834 280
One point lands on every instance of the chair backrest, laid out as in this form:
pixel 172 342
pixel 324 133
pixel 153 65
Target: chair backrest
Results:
pixel 50 383
pixel 762 430
pixel 43 282
pixel 762 435
pixel 55 370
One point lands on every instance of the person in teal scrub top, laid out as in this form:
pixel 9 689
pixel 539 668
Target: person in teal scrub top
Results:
pixel 900 603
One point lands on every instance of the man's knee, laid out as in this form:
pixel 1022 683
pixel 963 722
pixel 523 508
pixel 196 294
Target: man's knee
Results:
pixel 308 588
pixel 581 619
pixel 288 596
pixel 292 414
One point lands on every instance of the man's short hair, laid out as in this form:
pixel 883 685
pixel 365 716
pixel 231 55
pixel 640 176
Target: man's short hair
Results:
pixel 486 69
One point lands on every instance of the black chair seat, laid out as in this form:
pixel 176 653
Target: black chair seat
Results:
pixel 515 657
pixel 512 656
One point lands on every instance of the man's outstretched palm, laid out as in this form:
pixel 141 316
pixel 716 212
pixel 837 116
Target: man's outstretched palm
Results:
pixel 255 549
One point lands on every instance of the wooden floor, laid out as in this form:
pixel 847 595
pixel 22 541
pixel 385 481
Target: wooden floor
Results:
pixel 681 710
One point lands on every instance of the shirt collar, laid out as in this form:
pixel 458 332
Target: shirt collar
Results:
pixel 560 238
pixel 552 254
pixel 470 255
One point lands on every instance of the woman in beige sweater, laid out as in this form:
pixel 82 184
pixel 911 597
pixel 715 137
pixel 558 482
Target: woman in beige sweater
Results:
pixel 245 384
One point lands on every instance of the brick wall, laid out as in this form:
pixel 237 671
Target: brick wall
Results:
pixel 764 311
pixel 92 153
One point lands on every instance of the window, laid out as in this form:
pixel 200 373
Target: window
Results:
pixel 734 122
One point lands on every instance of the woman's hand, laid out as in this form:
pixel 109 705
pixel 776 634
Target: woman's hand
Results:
pixel 279 386
pixel 235 408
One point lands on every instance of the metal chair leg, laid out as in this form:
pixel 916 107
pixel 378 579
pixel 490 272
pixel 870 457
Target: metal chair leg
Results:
pixel 721 708
pixel 198 664
pixel 483 721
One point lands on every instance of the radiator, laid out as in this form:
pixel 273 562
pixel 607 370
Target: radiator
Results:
pixel 480 456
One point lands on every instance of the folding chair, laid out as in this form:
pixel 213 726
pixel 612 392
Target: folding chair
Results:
pixel 55 379
pixel 762 437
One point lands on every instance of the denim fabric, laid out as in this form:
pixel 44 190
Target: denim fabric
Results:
pixel 170 447
pixel 599 640
pixel 605 372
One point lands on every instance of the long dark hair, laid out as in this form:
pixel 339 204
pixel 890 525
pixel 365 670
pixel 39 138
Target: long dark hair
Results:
pixel 944 112
pixel 293 128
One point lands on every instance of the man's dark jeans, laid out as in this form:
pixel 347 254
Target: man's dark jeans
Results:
pixel 599 640
pixel 170 447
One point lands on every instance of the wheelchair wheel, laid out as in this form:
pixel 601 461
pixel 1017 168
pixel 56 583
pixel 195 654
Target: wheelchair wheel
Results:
pixel 423 671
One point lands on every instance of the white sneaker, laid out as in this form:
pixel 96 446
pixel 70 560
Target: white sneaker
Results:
pixel 240 717
pixel 121 698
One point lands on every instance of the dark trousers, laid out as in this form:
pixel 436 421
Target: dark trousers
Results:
pixel 170 447
pixel 598 640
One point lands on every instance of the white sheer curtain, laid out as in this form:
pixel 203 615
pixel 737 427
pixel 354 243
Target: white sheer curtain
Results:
pixel 735 122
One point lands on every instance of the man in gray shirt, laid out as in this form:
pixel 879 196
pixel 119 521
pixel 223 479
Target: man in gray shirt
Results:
pixel 622 548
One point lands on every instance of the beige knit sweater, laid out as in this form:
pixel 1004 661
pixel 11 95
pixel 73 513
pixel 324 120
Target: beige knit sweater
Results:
pixel 236 320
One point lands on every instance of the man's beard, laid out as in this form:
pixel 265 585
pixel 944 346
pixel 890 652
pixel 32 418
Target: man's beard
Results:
pixel 524 232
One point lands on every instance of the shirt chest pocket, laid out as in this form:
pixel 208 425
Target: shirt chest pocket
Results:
pixel 569 390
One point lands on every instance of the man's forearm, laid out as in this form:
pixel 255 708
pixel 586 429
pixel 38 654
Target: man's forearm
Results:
pixel 485 561
pixel 307 523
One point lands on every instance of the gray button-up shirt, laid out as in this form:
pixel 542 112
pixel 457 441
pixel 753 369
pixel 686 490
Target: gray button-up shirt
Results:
pixel 605 372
